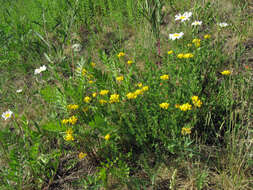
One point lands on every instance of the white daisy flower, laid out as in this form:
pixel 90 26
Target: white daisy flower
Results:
pixel 39 70
pixel 183 17
pixel 6 115
pixel 176 36
pixel 77 47
pixel 223 24
pixel 43 68
pixel 19 90
pixel 196 23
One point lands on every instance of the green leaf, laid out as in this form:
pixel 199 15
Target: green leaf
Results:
pixel 98 122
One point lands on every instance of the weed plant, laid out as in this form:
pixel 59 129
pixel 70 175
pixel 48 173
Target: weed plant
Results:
pixel 99 112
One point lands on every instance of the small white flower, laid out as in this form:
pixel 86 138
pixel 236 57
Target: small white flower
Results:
pixel 196 23
pixel 6 115
pixel 39 70
pixel 77 47
pixel 176 36
pixel 43 68
pixel 223 24
pixel 183 17
pixel 19 90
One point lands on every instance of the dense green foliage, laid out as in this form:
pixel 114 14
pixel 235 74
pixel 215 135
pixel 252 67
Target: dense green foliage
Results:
pixel 119 98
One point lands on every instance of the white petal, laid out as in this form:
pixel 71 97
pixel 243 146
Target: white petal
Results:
pixel 19 90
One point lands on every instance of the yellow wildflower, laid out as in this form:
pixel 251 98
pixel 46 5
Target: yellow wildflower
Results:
pixel 114 98
pixel 177 106
pixel 93 64
pixel 69 135
pixel 90 81
pixel 69 131
pixel 64 121
pixel 207 36
pixel 164 77
pixel 72 106
pixel 196 40
pixel 164 105
pixel 170 52
pixel 84 72
pixel 104 92
pixel 144 88
pixel 94 94
pixel 186 131
pixel 87 99
pixel 131 95
pixel 196 101
pixel 73 120
pixel 120 78
pixel 138 92
pixel 189 45
pixel 188 55
pixel 197 44
pixel 226 72
pixel 185 107
pixel 180 55
pixel 139 84
pixel 121 54
pixel 107 137
pixel 102 101
pixel 129 62
pixel 82 155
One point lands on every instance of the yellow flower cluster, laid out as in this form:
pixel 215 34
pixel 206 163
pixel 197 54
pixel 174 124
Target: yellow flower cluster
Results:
pixel 104 92
pixel 185 107
pixel 196 101
pixel 114 98
pixel 69 135
pixel 186 56
pixel 82 155
pixel 87 99
pixel 144 88
pixel 170 52
pixel 94 95
pixel 121 54
pixel 139 85
pixel 164 77
pixel 102 101
pixel 84 72
pixel 196 42
pixel 164 105
pixel 129 62
pixel 138 92
pixel 72 120
pixel 186 131
pixel 72 106
pixel 207 36
pixel 107 137
pixel 120 78
pixel 226 72
pixel 133 95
